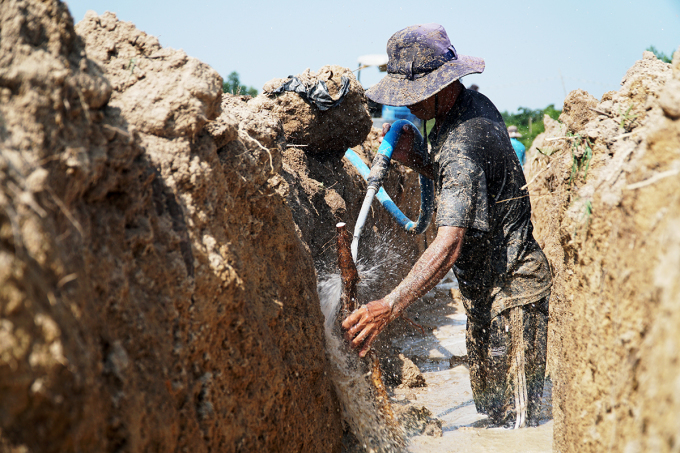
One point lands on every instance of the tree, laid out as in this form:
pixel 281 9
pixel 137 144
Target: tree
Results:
pixel 233 85
pixel 529 122
pixel 660 55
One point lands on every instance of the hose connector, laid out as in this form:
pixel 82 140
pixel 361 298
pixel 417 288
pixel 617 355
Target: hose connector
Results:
pixel 379 169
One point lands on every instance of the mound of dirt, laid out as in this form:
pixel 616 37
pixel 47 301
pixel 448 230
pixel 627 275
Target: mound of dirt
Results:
pixel 411 375
pixel 323 190
pixel 322 132
pixel 578 110
pixel 154 292
pixel 418 420
pixel 162 91
pixel 606 204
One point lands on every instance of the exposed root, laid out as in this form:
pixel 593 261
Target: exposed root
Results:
pixel 654 179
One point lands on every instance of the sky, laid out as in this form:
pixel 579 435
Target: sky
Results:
pixel 535 51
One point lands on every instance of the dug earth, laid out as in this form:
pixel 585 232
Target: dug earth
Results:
pixel 161 244
pixel 158 242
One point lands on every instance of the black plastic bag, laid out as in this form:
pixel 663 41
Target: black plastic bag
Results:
pixel 317 94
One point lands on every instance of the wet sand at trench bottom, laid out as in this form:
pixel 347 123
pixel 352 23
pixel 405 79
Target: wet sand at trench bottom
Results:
pixel 448 394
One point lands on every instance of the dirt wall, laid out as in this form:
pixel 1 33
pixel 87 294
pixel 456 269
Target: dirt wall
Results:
pixel 605 195
pixel 154 292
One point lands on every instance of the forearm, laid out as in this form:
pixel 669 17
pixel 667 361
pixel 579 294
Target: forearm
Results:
pixel 428 270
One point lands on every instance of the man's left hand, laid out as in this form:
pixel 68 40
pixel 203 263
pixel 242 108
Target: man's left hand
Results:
pixel 365 323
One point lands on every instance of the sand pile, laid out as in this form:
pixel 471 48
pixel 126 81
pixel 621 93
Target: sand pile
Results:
pixel 322 132
pixel 606 198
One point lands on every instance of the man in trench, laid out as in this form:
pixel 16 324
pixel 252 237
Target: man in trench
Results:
pixel 484 227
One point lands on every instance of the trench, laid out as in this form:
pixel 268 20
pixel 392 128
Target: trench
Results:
pixel 127 323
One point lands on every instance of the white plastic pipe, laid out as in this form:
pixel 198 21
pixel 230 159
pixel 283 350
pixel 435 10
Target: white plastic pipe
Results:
pixel 361 220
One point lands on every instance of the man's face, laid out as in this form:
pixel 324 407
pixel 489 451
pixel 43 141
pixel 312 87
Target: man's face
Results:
pixel 423 109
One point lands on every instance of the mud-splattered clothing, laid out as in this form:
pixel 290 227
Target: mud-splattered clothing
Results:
pixel 479 187
pixel 502 272
pixel 507 364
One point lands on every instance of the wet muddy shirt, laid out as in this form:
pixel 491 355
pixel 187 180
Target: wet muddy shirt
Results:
pixel 479 180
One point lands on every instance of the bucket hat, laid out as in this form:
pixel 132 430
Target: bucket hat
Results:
pixel 421 62
pixel 513 132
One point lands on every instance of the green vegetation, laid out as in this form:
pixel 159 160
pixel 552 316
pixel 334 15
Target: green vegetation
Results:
pixel 627 119
pixel 529 122
pixel 546 151
pixel 580 160
pixel 430 125
pixel 233 85
pixel 521 120
pixel 660 55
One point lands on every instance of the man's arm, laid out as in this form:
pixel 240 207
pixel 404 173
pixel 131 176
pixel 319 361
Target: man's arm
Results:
pixel 365 323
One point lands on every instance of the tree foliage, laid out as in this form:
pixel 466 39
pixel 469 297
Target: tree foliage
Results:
pixel 526 117
pixel 233 85
pixel 660 55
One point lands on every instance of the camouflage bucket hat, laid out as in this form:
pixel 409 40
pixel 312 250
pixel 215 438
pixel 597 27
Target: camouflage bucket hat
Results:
pixel 421 62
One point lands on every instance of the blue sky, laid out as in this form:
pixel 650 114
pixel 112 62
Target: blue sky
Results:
pixel 535 51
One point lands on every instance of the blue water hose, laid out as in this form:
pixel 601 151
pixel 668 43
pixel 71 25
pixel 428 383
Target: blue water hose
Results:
pixel 374 178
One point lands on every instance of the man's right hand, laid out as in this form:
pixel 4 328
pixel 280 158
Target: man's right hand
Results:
pixel 364 324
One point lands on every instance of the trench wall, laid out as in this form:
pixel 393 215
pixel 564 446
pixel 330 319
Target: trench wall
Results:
pixel 609 225
pixel 154 291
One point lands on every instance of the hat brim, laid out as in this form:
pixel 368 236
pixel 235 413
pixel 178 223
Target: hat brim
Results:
pixel 396 90
pixel 515 135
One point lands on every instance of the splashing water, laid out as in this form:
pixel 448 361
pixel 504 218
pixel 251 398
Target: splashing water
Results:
pixel 377 270
pixel 354 391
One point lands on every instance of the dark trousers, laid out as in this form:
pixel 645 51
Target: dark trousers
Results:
pixel 507 363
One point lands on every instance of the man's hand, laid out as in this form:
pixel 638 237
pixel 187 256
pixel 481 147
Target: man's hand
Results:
pixel 365 323
pixel 405 154
pixel 403 150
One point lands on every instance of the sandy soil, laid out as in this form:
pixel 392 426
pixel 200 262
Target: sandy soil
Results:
pixel 608 224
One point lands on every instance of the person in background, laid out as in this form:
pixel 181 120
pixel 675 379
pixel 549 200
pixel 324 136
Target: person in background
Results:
pixel 520 150
pixel 473 87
